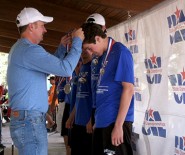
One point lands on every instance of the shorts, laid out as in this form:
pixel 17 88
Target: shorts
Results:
pixel 102 144
pixel 64 130
pixel 81 141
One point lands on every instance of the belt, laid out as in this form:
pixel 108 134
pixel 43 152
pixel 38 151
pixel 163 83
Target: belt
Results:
pixel 17 113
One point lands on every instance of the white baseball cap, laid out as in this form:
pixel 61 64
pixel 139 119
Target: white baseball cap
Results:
pixel 31 15
pixel 96 18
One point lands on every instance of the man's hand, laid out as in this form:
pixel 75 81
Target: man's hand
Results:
pixel 65 40
pixel 78 33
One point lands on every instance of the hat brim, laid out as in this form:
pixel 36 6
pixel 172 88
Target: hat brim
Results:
pixel 46 19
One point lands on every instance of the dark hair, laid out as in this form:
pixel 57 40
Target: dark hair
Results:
pixel 22 28
pixel 91 30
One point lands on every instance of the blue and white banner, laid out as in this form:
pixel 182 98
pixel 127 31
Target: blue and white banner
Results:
pixel 156 40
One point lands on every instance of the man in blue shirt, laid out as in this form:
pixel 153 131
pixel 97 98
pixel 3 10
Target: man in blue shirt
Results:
pixel 28 67
pixel 114 92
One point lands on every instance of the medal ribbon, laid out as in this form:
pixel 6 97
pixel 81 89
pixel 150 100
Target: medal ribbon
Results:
pixel 110 45
pixel 68 79
pixel 67 46
pixel 59 82
pixel 108 50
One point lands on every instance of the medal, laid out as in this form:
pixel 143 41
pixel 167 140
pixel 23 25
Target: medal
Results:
pixel 95 61
pixel 102 71
pixel 67 88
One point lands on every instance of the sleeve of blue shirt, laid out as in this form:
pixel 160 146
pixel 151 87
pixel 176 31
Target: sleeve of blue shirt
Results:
pixel 36 58
pixel 125 69
pixel 60 52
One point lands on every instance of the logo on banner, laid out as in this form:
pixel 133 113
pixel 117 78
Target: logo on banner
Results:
pixel 176 24
pixel 153 66
pixel 153 124
pixel 179 145
pixel 131 40
pixel 178 85
pixel 137 90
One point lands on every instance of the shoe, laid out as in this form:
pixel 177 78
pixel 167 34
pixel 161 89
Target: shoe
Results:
pixel 54 127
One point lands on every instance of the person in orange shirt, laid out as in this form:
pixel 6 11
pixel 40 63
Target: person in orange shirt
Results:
pixel 51 92
pixel 53 103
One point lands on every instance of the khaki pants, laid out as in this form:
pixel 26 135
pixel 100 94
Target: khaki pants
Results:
pixel 59 115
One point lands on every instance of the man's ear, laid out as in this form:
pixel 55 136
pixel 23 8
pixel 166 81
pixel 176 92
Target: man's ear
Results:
pixel 98 39
pixel 31 27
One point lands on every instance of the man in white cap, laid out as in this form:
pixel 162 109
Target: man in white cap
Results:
pixel 28 67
